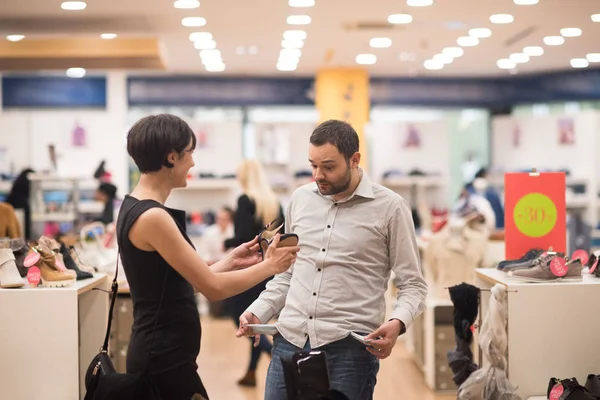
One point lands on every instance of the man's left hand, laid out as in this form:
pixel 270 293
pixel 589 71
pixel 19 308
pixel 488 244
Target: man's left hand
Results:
pixel 246 255
pixel 384 338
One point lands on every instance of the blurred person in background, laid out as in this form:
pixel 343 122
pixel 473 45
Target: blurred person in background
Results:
pixel 106 194
pixel 214 236
pixel 256 207
pixel 19 198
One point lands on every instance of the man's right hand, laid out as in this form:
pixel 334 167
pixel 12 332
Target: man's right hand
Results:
pixel 282 258
pixel 245 319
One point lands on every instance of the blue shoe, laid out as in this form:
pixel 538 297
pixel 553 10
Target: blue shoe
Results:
pixel 527 258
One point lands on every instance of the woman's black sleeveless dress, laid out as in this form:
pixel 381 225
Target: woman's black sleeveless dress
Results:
pixel 176 341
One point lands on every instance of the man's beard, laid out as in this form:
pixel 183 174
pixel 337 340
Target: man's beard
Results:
pixel 333 189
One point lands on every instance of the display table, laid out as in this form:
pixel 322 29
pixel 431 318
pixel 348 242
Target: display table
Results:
pixel 48 338
pixel 551 329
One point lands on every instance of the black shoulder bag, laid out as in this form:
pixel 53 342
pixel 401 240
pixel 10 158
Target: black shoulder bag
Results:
pixel 103 382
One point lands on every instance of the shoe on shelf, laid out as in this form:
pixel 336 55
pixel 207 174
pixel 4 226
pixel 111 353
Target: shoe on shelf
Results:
pixel 51 275
pixel 542 257
pixel 541 272
pixel 70 264
pixel 568 389
pixel 249 380
pixel 82 266
pixel 9 274
pixel 527 258
pixel 593 385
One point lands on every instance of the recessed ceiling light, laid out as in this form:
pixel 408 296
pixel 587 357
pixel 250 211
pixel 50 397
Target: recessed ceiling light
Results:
pixel 366 59
pixel 199 36
pixel 526 2
pixel 186 4
pixel 290 54
pixel 579 63
pixel 506 63
pixel 480 32
pixel 400 19
pixel 108 36
pixel 419 3
pixel 294 35
pixel 15 38
pixel 467 41
pixel 76 72
pixel 533 51
pixel 286 67
pixel 193 21
pixel 205 45
pixel 433 65
pixel 215 67
pixel 298 20
pixel 453 52
pixel 593 57
pixel 292 44
pixel 302 3
pixel 73 5
pixel 570 32
pixel 519 58
pixel 554 40
pixel 502 19
pixel 380 42
pixel 596 17
pixel 210 55
pixel 443 58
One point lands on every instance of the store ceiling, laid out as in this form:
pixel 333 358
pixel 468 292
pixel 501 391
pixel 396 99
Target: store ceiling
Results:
pixel 339 31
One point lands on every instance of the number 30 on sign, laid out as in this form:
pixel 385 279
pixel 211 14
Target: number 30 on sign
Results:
pixel 535 215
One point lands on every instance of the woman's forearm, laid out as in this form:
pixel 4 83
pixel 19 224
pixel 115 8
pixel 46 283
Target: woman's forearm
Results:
pixel 226 264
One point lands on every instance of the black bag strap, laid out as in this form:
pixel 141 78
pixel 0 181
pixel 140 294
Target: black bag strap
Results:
pixel 114 292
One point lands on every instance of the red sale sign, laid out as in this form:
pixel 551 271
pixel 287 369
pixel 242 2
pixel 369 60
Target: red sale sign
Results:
pixel 535 212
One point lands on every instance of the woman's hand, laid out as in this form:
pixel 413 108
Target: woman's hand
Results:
pixel 246 254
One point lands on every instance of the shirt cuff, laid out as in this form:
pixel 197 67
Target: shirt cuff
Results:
pixel 405 316
pixel 262 311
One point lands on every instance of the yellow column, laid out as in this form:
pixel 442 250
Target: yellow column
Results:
pixel 343 93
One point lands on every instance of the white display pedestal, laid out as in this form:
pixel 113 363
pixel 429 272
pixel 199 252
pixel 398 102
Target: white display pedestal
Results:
pixel 49 336
pixel 551 327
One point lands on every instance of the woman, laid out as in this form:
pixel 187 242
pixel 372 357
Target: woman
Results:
pixel 163 268
pixel 257 206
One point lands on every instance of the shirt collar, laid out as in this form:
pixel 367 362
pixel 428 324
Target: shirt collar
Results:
pixel 364 188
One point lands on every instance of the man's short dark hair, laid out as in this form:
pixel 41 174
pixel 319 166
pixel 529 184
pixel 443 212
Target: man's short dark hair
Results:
pixel 338 133
pixel 152 138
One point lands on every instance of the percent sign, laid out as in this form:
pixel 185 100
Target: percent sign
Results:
pixel 535 215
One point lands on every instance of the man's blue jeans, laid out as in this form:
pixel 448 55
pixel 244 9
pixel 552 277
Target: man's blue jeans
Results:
pixel 352 369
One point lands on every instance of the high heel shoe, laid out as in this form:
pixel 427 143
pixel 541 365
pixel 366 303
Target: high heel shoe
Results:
pixel 9 274
pixel 51 275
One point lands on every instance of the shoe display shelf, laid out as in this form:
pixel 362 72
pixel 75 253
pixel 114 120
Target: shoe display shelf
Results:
pixel 551 327
pixel 49 337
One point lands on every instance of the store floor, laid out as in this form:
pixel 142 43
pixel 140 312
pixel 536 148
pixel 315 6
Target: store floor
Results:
pixel 223 360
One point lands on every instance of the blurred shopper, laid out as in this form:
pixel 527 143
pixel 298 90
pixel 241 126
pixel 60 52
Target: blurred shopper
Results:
pixel 19 198
pixel 256 207
pixel 353 233
pixel 106 194
pixel 214 236
pixel 163 268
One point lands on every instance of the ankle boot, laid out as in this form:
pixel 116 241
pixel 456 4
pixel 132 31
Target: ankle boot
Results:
pixel 70 264
pixel 51 275
pixel 82 266
pixel 249 379
pixel 9 274
pixel 593 385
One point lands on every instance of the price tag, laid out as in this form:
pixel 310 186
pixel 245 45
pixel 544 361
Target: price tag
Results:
pixel 33 276
pixel 582 255
pixel 593 267
pixel 535 215
pixel 556 392
pixel 31 259
pixel 558 266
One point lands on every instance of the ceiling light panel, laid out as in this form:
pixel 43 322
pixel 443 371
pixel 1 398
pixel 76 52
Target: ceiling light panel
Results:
pixel 199 36
pixel 506 63
pixel 193 21
pixel 366 59
pixel 292 44
pixel 15 38
pixel 186 4
pixel 579 63
pixel 519 58
pixel 433 65
pixel 467 41
pixel 595 18
pixel 73 5
pixel 533 51
pixel 526 2
pixel 302 3
pixel 443 58
pixel 108 36
pixel 480 32
pixel 75 72
pixel 205 45
pixel 570 32
pixel 400 19
pixel 593 57
pixel 294 35
pixel 453 52
pixel 554 40
pixel 298 20
pixel 380 42
pixel 502 19
pixel 419 3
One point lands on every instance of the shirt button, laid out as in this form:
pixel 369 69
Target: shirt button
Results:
pixel 335 204
pixel 319 270
pixel 314 294
pixel 310 317
pixel 329 226
pixel 322 249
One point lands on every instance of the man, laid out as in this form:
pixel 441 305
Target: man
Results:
pixel 353 233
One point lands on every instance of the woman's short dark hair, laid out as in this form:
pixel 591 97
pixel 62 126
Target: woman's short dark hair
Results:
pixel 338 133
pixel 152 138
